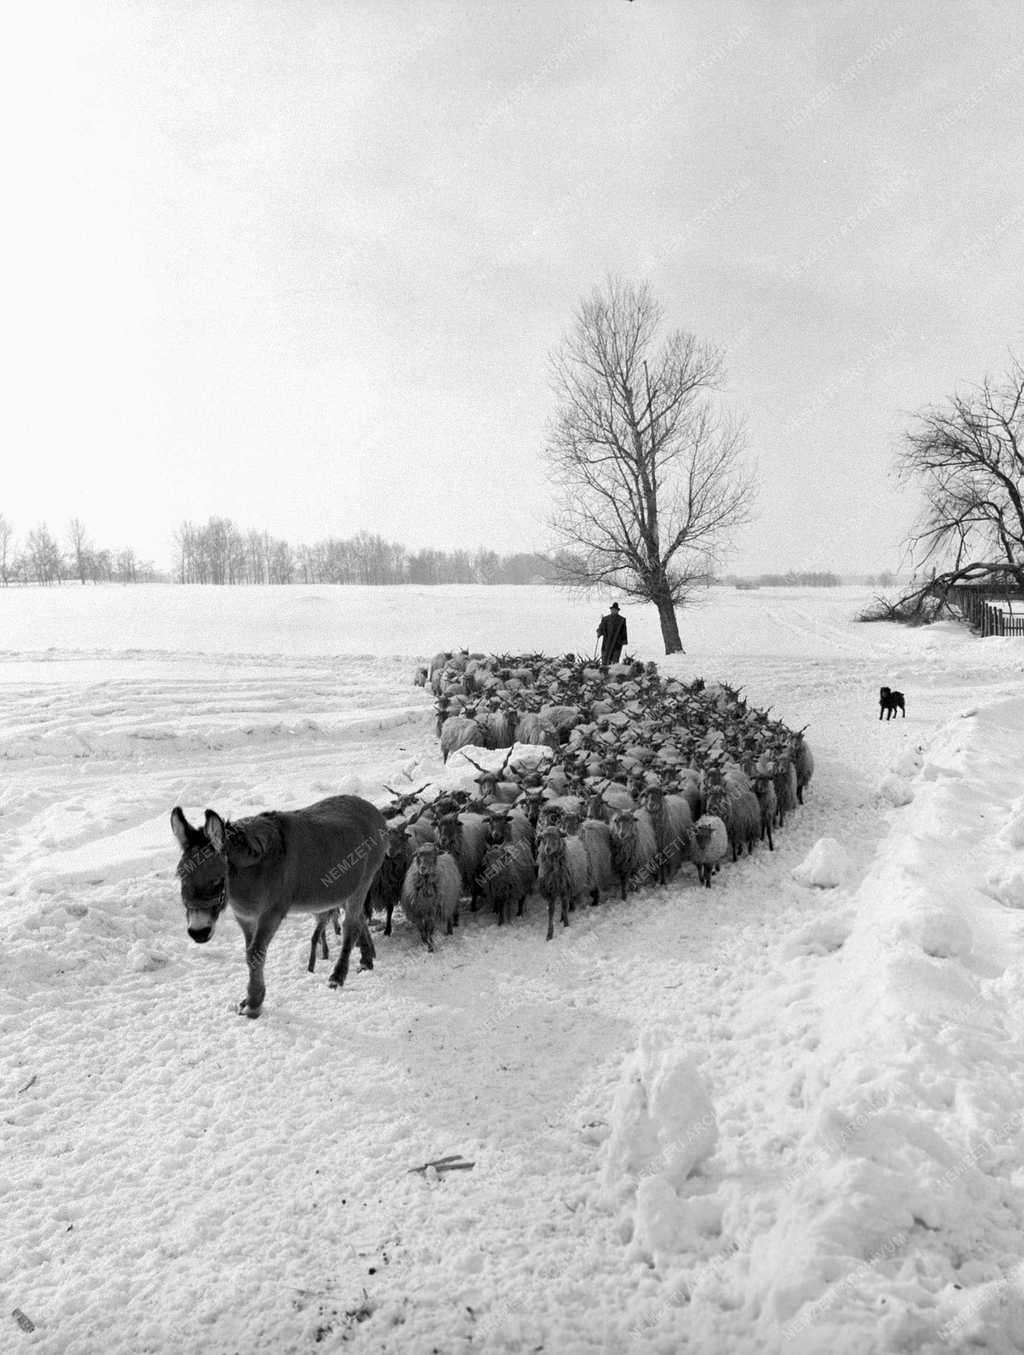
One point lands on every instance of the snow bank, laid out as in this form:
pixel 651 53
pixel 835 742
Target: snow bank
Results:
pixel 904 1191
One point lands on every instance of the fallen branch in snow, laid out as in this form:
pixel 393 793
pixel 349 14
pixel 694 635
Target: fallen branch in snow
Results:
pixel 24 1322
pixel 454 1163
pixel 28 1084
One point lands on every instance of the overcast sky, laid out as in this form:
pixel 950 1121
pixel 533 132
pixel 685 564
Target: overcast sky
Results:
pixel 302 263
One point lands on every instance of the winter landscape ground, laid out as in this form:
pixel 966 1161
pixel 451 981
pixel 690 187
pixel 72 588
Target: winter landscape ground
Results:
pixel 782 1115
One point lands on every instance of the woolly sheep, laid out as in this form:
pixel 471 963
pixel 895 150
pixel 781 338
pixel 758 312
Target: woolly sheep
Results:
pixel 764 789
pixel 460 731
pixel 739 809
pixel 499 727
pixel 430 892
pixel 710 846
pixel 507 873
pixel 563 873
pixel 785 783
pixel 672 824
pixel 596 837
pixel 531 728
pixel 465 837
pixel 633 847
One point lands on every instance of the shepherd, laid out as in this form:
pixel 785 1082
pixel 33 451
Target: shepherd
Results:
pixel 613 634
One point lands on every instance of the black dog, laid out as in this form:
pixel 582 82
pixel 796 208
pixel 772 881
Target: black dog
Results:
pixel 889 702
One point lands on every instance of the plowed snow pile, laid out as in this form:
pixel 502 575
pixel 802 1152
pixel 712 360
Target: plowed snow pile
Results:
pixel 780 1115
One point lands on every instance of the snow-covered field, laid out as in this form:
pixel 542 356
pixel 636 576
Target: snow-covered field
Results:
pixel 773 1116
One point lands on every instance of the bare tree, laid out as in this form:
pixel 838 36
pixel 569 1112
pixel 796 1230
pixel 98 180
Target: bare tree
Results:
pixel 651 478
pixel 968 458
pixel 127 566
pixel 81 548
pixel 43 555
pixel 6 551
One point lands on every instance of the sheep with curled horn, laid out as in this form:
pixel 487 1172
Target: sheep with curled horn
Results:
pixel 507 872
pixel 402 800
pixel 430 892
pixel 464 836
pixel 407 806
pixel 386 889
pixel 785 779
pixel 672 822
pixel 764 788
pixel 803 762
pixel 491 783
pixel 737 806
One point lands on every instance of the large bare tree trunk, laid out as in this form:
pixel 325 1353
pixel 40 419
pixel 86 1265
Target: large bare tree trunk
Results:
pixel 669 624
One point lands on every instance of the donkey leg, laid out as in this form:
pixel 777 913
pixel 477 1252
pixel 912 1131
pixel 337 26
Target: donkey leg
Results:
pixel 315 942
pixel 367 950
pixel 354 930
pixel 340 971
pixel 257 939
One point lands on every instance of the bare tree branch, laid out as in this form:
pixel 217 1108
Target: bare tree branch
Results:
pixel 968 459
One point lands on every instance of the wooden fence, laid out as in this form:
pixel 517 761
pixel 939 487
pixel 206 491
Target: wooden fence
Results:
pixel 991 613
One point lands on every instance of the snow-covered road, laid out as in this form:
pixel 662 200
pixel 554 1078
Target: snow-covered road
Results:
pixel 766 1117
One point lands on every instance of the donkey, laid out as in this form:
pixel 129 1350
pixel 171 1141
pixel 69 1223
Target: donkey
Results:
pixel 304 860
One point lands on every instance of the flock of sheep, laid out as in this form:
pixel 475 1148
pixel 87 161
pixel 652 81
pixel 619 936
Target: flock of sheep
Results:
pixel 629 777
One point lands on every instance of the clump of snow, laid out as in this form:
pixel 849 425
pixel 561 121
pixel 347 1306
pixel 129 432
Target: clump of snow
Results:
pixel 896 789
pixel 825 866
pixel 663 1127
pixel 1005 882
pixel 143 959
pixel 909 761
pixel 1012 832
pixel 662 1119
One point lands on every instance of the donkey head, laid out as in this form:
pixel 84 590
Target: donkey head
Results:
pixel 203 875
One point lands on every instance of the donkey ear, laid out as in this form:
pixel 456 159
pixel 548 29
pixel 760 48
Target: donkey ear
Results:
pixel 245 846
pixel 215 831
pixel 182 829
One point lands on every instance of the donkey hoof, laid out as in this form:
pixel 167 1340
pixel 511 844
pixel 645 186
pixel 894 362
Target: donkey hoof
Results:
pixel 243 1009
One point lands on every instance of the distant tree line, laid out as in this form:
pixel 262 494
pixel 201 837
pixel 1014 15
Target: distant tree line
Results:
pixel 41 559
pixel 219 552
pixel 794 579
